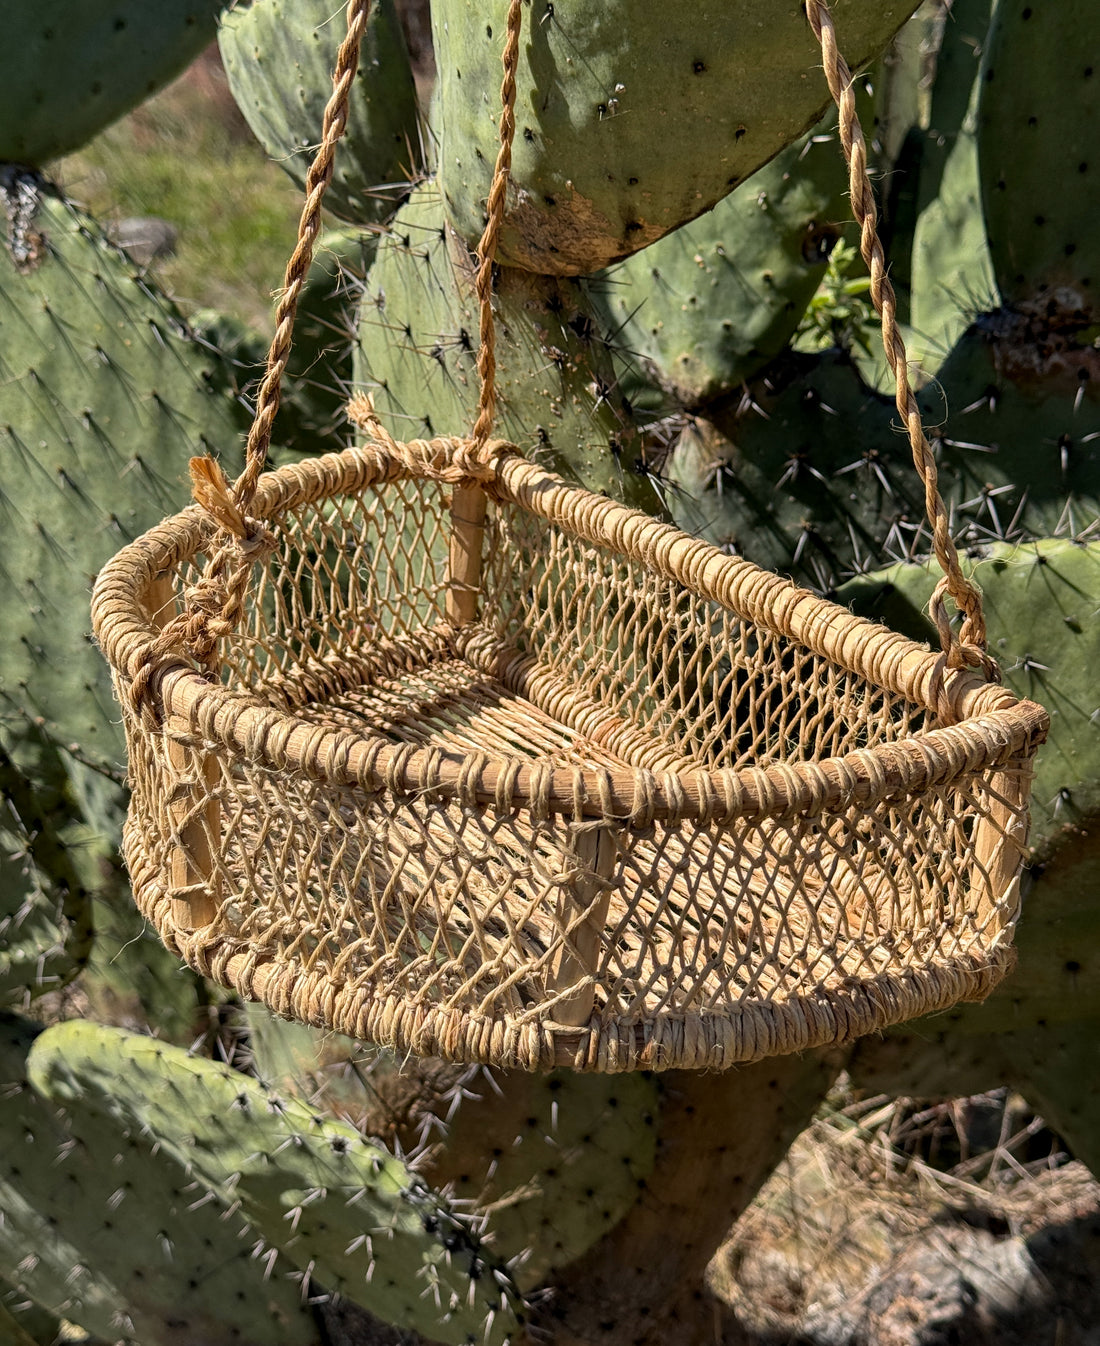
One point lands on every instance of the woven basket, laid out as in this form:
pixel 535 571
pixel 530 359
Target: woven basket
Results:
pixel 482 766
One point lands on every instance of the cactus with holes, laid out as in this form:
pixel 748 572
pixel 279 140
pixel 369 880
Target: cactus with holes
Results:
pixel 1034 132
pixel 712 302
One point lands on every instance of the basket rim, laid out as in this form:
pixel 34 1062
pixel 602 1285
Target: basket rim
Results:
pixel 991 726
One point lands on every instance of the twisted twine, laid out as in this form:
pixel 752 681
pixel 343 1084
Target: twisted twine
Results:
pixel 214 605
pixel 970 646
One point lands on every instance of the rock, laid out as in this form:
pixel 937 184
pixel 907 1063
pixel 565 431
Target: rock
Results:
pixel 144 238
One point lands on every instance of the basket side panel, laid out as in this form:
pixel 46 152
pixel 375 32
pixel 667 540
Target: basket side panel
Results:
pixel 682 669
pixel 352 577
pixel 455 914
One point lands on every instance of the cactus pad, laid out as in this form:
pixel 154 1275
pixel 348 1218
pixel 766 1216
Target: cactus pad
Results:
pixel 104 394
pixel 279 56
pixel 557 394
pixel 68 70
pixel 105 1230
pixel 712 302
pixel 340 1207
pixel 1036 143
pixel 628 125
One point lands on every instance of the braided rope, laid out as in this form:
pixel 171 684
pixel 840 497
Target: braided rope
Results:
pixel 214 605
pixel 309 226
pixel 487 248
pixel 970 646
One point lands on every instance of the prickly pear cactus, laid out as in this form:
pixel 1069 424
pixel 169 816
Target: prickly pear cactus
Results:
pixel 713 301
pixel 344 1210
pixel 951 275
pixel 547 1163
pixel 557 395
pixel 552 1162
pixel 778 477
pixel 1037 150
pixel 320 373
pixel 67 70
pixel 104 394
pixel 280 55
pixel 45 902
pixel 103 1228
pixel 629 124
pixel 1039 1029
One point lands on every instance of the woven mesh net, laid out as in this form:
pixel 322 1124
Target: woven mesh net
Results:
pixel 515 930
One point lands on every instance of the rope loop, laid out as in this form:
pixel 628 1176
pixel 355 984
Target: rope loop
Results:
pixel 969 647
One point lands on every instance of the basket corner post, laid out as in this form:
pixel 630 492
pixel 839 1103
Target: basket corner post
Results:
pixel 194 809
pixel 581 917
pixel 469 506
pixel 1000 844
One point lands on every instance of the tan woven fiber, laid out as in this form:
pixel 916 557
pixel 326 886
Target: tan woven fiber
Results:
pixel 435 749
pixel 814 831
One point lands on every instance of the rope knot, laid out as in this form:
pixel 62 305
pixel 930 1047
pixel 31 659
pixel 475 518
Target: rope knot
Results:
pixel 474 461
pixel 210 488
pixel 966 651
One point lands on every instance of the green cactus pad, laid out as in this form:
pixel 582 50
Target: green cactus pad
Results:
pixel 104 394
pixel 279 56
pixel 712 302
pixel 549 1162
pixel 45 904
pixel 1040 600
pixel 628 123
pixel 68 70
pixel 951 272
pixel 320 371
pixel 103 1229
pixel 803 475
pixel 1040 176
pixel 807 474
pixel 337 1205
pixel 552 1162
pixel 557 394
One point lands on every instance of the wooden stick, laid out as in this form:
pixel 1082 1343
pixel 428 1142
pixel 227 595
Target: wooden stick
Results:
pixel 594 852
pixel 468 508
pixel 1000 840
pixel 194 810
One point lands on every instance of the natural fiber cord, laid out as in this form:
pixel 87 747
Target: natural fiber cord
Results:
pixel 436 749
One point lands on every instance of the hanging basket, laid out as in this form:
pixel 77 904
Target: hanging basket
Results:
pixel 457 757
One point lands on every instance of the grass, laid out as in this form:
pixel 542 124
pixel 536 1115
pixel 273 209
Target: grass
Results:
pixel 187 157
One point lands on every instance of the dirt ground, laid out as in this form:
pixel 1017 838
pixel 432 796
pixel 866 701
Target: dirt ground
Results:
pixel 889 1224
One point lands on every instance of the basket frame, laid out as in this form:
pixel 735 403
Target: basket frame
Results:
pixel 988 730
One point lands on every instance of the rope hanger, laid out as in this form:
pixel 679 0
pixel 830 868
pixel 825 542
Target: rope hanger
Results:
pixel 214 605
